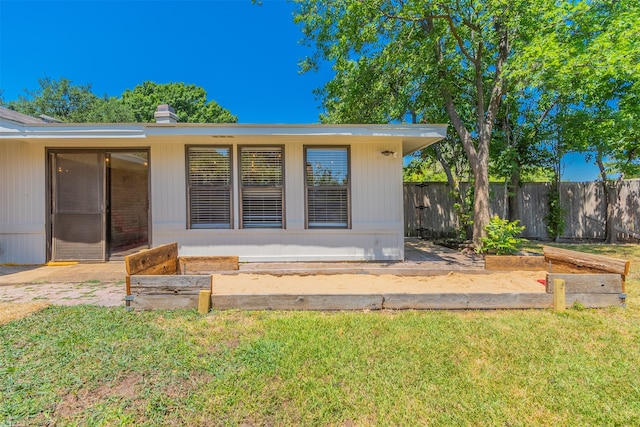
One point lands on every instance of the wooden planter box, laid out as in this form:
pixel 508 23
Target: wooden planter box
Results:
pixel 157 278
pixel 590 280
pixel 160 279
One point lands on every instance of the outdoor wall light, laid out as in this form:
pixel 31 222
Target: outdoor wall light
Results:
pixel 388 153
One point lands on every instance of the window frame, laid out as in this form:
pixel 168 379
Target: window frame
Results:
pixel 189 186
pixel 242 187
pixel 346 186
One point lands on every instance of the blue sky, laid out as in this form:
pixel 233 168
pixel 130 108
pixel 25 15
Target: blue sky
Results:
pixel 245 56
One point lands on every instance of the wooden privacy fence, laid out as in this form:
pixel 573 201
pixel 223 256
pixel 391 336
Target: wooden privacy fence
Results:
pixel 429 209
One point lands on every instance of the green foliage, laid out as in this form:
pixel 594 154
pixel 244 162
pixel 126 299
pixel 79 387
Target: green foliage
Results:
pixel 108 110
pixel 501 237
pixel 583 79
pixel 421 170
pixel 188 100
pixel 464 211
pixel 426 60
pixel 506 75
pixel 555 218
pixel 64 101
pixel 67 102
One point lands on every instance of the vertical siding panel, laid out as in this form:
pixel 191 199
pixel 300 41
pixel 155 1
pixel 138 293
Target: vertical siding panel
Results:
pixel 294 185
pixel 360 186
pixel 168 186
pixel 22 197
pixel 376 184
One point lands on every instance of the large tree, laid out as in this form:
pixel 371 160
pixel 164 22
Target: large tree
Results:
pixel 451 54
pixel 64 101
pixel 189 101
pixel 586 76
pixel 466 56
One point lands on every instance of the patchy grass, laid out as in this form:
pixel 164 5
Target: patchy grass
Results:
pixel 13 311
pixel 87 365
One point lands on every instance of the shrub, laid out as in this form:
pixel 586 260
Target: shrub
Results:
pixel 555 218
pixel 501 237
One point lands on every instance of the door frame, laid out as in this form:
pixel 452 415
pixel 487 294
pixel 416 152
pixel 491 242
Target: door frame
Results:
pixel 49 151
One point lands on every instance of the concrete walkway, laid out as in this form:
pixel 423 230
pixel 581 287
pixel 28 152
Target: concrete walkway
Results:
pixel 96 284
pixel 104 283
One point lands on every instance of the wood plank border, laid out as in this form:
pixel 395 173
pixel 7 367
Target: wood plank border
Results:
pixel 587 283
pixel 166 291
pixel 207 264
pixel 297 302
pixel 468 301
pixel 175 285
pixel 164 302
pixel 568 261
pixel 431 301
pixel 515 263
pixel 160 260
pixel 581 259
pixel 595 300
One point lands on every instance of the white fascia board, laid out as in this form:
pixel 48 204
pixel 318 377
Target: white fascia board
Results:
pixel 113 131
pixel 55 131
pixel 394 131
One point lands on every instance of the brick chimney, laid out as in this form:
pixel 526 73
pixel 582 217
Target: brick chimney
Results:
pixel 165 114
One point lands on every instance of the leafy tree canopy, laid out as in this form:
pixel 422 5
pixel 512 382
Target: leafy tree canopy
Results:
pixel 67 102
pixel 492 65
pixel 189 101
pixel 71 103
pixel 584 78
pixel 423 56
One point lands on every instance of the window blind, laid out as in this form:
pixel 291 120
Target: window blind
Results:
pixel 327 187
pixel 262 187
pixel 209 187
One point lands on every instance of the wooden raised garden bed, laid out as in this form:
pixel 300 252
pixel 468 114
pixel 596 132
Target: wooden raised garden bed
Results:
pixel 590 280
pixel 157 278
pixel 160 279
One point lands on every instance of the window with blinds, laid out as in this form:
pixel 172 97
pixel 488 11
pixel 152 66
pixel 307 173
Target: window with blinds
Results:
pixel 327 187
pixel 209 186
pixel 262 187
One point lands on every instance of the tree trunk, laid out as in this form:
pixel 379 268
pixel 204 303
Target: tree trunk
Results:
pixel 611 194
pixel 610 202
pixel 480 197
pixel 478 156
pixel 453 183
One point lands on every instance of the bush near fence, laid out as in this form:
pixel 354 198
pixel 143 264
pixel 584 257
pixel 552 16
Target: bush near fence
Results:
pixel 429 209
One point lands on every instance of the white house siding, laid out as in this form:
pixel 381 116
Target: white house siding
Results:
pixel 376 203
pixel 168 185
pixel 22 203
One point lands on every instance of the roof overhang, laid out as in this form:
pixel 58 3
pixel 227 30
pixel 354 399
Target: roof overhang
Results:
pixel 413 137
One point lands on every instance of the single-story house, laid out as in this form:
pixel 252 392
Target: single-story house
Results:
pixel 94 192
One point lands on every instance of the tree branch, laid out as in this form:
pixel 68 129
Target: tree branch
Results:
pixel 479 84
pixel 498 85
pixel 426 23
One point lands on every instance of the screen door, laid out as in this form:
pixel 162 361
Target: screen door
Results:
pixel 78 206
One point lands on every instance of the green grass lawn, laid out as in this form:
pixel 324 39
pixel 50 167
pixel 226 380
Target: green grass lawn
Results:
pixel 106 366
